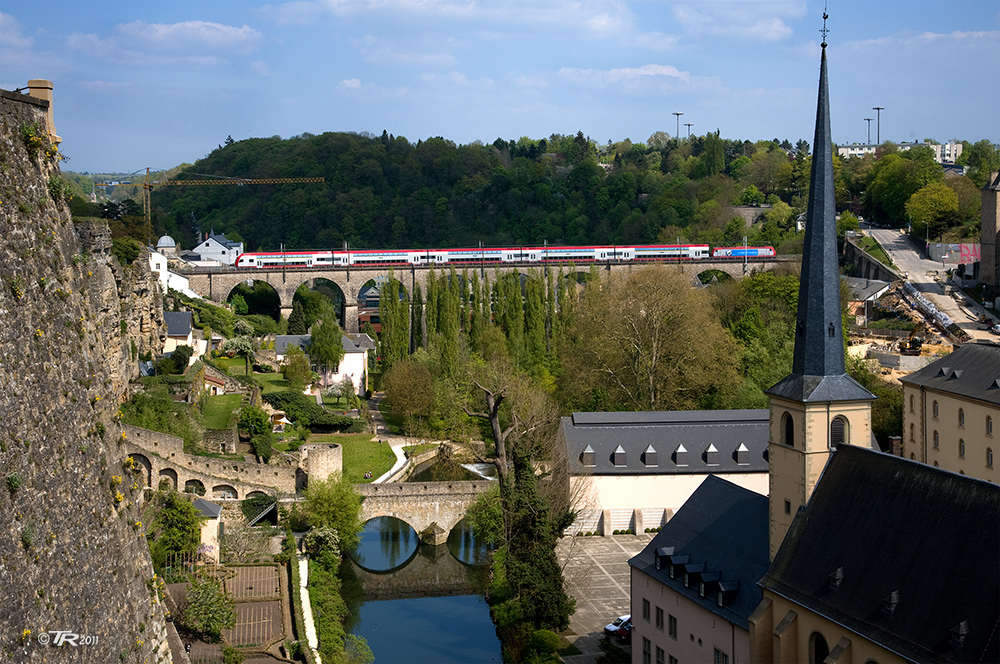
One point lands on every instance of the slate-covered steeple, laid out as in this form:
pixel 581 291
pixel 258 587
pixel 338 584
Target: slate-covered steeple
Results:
pixel 818 372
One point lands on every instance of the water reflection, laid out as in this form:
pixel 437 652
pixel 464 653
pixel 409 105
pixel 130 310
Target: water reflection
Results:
pixel 436 630
pixel 386 543
pixel 463 544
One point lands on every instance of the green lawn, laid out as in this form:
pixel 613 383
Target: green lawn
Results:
pixel 361 454
pixel 874 249
pixel 215 414
pixel 414 450
pixel 234 366
pixel 272 382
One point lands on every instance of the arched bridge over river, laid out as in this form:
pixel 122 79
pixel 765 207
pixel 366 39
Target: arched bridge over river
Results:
pixel 421 504
pixel 216 283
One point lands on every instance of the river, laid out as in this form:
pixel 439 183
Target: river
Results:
pixel 418 603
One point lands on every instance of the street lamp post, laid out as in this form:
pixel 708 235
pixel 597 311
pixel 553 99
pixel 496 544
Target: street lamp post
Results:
pixel 678 116
pixel 869 121
pixel 878 123
pixel 689 125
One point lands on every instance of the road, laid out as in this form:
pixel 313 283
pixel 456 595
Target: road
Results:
pixel 929 277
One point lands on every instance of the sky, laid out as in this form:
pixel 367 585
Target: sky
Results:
pixel 158 83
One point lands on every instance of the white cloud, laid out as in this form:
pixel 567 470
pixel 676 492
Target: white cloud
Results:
pixel 381 51
pixel 104 86
pixel 191 42
pixel 350 83
pixel 10 33
pixel 623 74
pixel 925 39
pixel 762 21
pixel 260 68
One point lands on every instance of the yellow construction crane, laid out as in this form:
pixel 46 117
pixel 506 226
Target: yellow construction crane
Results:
pixel 147 186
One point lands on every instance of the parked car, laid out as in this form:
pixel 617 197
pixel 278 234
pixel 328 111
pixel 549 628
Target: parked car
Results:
pixel 624 632
pixel 616 624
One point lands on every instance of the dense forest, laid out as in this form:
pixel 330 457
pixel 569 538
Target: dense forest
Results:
pixel 386 192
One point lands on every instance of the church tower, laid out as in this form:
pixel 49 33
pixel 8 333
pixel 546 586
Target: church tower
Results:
pixel 818 406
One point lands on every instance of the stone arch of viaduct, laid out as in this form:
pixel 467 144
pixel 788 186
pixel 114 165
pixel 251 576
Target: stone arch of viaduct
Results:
pixel 421 504
pixel 216 284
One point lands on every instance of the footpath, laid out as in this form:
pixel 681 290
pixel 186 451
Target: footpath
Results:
pixel 396 443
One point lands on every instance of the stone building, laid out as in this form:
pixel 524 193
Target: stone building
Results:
pixel 951 412
pixel 989 266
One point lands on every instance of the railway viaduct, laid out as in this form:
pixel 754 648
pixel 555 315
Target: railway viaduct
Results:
pixel 216 283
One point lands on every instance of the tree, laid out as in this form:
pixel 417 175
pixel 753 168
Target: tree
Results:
pixel 262 444
pixel 333 503
pixel 409 389
pixel 240 347
pixel 296 369
pixel 648 341
pixel 326 346
pixel 394 312
pixel 207 608
pixel 244 544
pixel 751 196
pixel 239 304
pixel 983 158
pixel 176 529
pixel 932 209
pixel 297 319
pixel 253 420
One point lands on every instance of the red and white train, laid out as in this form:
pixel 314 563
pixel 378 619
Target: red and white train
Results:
pixel 493 255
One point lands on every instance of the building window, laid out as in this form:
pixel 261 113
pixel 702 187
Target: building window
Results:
pixel 961 448
pixel 659 619
pixel 646 658
pixel 911 433
pixel 672 660
pixel 937 440
pixel 645 610
pixel 788 507
pixel 721 657
pixel 838 431
pixel 672 627
pixel 788 426
pixel 961 417
pixel 989 457
pixel 935 410
pixel 989 425
pixel 660 656
pixel 911 403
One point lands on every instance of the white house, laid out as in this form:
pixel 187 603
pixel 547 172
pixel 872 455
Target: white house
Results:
pixel 219 248
pixel 353 366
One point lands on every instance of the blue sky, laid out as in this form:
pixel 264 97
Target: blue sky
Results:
pixel 159 83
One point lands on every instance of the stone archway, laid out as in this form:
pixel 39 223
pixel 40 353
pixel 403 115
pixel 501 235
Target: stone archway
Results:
pixel 224 491
pixel 169 475
pixel 147 468
pixel 196 487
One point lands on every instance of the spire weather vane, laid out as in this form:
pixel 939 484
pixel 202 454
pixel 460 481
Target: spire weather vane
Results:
pixel 824 31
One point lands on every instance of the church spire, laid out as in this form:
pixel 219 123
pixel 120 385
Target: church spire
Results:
pixel 818 372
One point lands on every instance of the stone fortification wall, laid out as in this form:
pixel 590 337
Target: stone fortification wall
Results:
pixel 168 451
pixel 73 555
pixel 321 460
pixel 866 266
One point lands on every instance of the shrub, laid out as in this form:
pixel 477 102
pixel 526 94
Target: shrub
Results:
pixel 126 249
pixel 14 482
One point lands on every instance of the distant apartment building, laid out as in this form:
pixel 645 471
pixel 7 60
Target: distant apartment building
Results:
pixel 944 153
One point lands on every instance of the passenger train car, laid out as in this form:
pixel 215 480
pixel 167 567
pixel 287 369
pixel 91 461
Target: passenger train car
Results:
pixel 492 255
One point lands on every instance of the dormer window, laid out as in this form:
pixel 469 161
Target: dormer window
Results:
pixel 618 457
pixel 712 455
pixel 681 456
pixel 649 456
pixel 835 578
pixel 889 603
pixel 588 457
pixel 958 633
pixel 742 455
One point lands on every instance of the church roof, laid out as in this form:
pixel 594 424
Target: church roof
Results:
pixel 970 371
pixel 818 372
pixel 722 527
pixel 914 550
pixel 667 442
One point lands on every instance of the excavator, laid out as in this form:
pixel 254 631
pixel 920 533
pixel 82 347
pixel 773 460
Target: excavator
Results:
pixel 913 343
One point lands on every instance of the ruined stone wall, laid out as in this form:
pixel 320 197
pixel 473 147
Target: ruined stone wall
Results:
pixel 73 554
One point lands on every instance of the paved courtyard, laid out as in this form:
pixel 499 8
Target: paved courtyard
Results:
pixel 597 575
